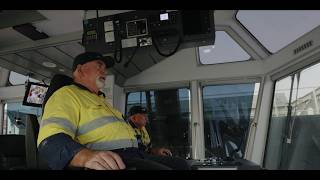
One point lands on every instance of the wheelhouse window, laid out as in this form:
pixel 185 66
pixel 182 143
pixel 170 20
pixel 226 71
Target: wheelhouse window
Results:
pixel 19 79
pixel 220 52
pixel 15 115
pixel 169 118
pixel 276 29
pixel 228 112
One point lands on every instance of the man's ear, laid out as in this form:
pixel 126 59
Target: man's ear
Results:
pixel 79 68
pixel 133 117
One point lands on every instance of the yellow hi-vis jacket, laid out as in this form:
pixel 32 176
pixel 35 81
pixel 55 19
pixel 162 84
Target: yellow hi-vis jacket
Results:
pixel 143 138
pixel 88 118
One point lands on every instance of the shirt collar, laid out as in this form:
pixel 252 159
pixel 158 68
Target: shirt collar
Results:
pixel 85 88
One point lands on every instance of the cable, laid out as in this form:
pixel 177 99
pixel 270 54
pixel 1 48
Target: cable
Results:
pixel 170 54
pixel 43 81
pixel 27 80
pixel 240 144
pixel 116 52
pixel 131 57
pixel 119 48
pixel 83 40
pixel 243 131
pixel 97 24
pixel 295 108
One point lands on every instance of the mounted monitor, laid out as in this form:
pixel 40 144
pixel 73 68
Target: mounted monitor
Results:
pixel 34 95
pixel 198 27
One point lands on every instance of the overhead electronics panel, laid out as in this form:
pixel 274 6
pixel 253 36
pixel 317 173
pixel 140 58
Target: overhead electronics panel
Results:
pixel 138 28
pixel 137 35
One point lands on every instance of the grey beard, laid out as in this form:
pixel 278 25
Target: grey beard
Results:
pixel 100 84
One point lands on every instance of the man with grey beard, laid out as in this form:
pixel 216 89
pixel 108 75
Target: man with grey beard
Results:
pixel 79 128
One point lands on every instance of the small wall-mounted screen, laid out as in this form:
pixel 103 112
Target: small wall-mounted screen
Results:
pixel 164 17
pixel 137 28
pixel 34 94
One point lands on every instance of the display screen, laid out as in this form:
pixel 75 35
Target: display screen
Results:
pixel 164 17
pixel 34 94
pixel 137 28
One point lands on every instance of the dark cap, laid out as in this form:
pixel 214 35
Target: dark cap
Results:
pixel 137 109
pixel 91 56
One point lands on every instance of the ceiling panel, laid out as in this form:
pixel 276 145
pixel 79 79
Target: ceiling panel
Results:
pixel 143 60
pixel 18 68
pixel 72 49
pixel 9 18
pixel 57 55
pixel 9 37
pixel 31 67
pixel 34 57
pixel 119 80
pixel 39 59
pixel 130 71
pixel 60 21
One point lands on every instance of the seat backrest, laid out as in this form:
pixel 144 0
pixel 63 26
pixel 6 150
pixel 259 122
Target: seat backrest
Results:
pixel 58 81
pixel 33 160
pixel 32 127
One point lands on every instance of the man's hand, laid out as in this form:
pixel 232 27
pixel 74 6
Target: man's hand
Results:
pixel 98 160
pixel 161 151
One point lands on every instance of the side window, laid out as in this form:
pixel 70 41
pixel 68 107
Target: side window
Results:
pixel 294 128
pixel 135 99
pixel 18 79
pixel 15 117
pixel 169 118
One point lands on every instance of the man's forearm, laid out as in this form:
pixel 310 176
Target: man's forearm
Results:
pixel 58 150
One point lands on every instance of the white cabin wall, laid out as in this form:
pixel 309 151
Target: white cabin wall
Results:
pixel 12 92
pixel 119 98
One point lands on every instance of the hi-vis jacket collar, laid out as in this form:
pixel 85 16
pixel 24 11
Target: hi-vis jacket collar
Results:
pixel 85 88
